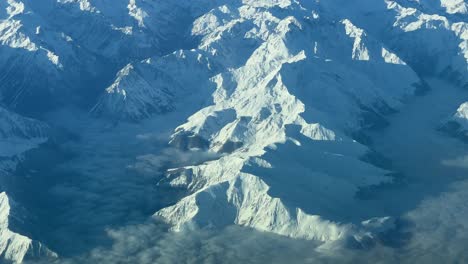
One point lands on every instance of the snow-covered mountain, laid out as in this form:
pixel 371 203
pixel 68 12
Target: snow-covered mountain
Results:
pixel 311 77
pixel 294 75
pixel 461 116
pixel 154 85
pixel 63 51
pixel 14 248
pixel 307 82
pixel 18 134
pixel 431 36
pixel 457 124
pixel 279 94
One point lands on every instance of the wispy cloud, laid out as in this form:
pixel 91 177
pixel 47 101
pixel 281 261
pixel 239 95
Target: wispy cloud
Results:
pixel 460 162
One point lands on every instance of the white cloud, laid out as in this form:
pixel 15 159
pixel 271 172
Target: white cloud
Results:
pixel 460 162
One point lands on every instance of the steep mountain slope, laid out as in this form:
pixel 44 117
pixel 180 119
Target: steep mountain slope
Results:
pixel 153 86
pixel 278 103
pixel 431 36
pixel 18 134
pixel 264 94
pixel 24 62
pixel 15 247
pixel 265 104
pixel 444 40
pixel 231 34
pixel 61 52
pixel 457 124
pixel 462 116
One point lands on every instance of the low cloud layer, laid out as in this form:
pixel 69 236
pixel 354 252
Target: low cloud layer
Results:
pixel 97 190
pixel 100 207
pixel 461 162
pixel 151 243
pixel 437 234
pixel 151 164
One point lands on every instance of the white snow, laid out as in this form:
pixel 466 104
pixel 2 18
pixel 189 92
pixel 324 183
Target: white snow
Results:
pixel 461 116
pixel 18 134
pixel 264 107
pixel 272 92
pixel 14 247
pixel 137 13
pixel 14 8
pixel 360 51
pixel 455 6
pixel 391 57
pixel 84 5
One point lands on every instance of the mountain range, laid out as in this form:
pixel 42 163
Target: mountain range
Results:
pixel 263 114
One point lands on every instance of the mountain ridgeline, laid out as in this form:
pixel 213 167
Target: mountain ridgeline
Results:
pixel 260 113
